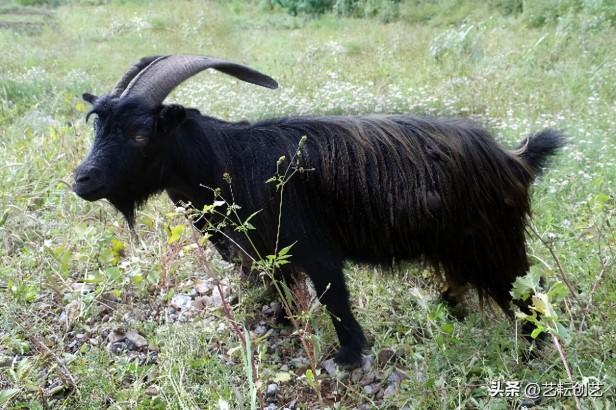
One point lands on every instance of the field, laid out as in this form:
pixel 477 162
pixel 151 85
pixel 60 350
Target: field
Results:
pixel 94 317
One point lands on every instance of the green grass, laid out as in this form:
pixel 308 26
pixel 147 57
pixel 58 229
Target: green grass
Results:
pixel 515 72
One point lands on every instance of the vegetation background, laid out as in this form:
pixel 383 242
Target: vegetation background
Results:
pixel 93 318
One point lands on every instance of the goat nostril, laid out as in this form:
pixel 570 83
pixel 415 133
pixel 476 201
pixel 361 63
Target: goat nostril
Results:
pixel 82 178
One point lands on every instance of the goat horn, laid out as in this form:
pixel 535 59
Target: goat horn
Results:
pixel 163 74
pixel 131 73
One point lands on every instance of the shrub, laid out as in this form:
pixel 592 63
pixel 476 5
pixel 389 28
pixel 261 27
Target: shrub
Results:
pixel 386 10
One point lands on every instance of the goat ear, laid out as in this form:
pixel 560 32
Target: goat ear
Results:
pixel 170 117
pixel 91 98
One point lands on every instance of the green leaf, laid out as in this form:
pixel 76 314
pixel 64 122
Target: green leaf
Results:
pixel 175 233
pixel 602 198
pixel 525 285
pixel 542 304
pixel 563 333
pixel 538 330
pixel 558 291
pixel 447 328
pixel 81 106
pixel 310 378
pixel 117 250
pixel 285 250
pixel 282 377
pixel 4 217
pixel 6 395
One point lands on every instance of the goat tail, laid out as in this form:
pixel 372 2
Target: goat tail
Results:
pixel 537 149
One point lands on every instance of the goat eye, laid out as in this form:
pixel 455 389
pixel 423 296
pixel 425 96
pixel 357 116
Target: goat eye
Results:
pixel 140 139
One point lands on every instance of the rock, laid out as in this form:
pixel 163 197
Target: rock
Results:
pixel 260 330
pixel 390 390
pixel 330 367
pixel 200 302
pixel 366 362
pixel 271 391
pixel 152 390
pixel 116 335
pixel 284 368
pixel 368 378
pixel 397 376
pixel 271 406
pixel 82 287
pixel 117 347
pixel 215 300
pixel 298 362
pixel 202 288
pixel 136 340
pixel 120 340
pixel 69 314
pixel 180 301
pixel 372 389
pixel 385 356
pixel 356 375
pixel 267 310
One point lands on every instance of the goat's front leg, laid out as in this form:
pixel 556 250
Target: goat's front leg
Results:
pixel 333 294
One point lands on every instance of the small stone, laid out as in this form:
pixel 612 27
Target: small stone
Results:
pixel 366 362
pixel 180 301
pixel 330 367
pixel 136 341
pixel 152 390
pixel 202 288
pixel 298 362
pixel 372 389
pixel 284 368
pixel 200 302
pixel 368 378
pixel 356 375
pixel 260 330
pixel 272 389
pixel 267 310
pixel 390 390
pixel 271 406
pixel 116 335
pixel 215 300
pixel 385 356
pixel 397 376
pixel 117 347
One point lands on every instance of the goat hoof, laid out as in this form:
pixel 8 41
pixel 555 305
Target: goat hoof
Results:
pixel 281 317
pixel 348 357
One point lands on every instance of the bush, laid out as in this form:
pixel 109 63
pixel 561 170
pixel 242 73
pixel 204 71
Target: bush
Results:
pixel 50 3
pixel 386 10
pixel 295 7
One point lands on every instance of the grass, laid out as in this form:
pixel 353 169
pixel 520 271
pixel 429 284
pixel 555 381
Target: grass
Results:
pixel 70 272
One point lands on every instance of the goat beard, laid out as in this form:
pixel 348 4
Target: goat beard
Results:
pixel 128 208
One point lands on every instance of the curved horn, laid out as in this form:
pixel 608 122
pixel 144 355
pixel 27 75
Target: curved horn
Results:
pixel 131 73
pixel 163 74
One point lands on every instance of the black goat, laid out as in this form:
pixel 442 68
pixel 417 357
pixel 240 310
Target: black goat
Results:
pixel 380 188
